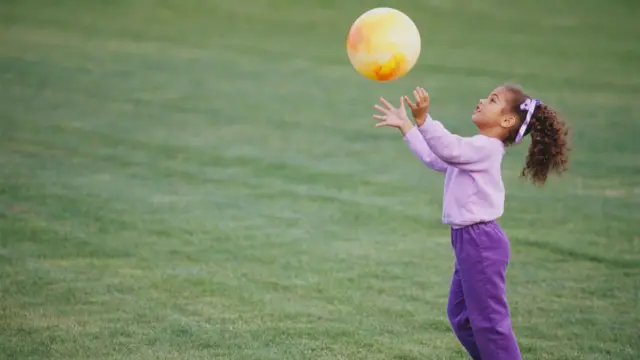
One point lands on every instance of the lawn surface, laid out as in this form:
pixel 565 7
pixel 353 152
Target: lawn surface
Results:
pixel 191 179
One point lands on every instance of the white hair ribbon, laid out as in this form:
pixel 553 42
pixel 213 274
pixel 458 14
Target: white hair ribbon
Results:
pixel 530 106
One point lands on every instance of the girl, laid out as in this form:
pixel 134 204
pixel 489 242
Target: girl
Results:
pixel 474 199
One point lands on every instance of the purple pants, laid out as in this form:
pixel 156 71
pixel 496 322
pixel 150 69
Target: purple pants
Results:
pixel 477 309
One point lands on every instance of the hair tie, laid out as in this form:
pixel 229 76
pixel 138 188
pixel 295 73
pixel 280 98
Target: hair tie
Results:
pixel 530 106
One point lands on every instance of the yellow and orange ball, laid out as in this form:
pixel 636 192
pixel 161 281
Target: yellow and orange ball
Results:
pixel 383 44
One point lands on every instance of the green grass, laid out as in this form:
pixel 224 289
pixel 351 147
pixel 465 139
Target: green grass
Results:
pixel 191 179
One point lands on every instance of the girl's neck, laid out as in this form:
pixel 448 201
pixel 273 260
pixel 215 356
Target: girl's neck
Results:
pixel 493 132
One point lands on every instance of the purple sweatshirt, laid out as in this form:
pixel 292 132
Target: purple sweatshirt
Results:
pixel 473 188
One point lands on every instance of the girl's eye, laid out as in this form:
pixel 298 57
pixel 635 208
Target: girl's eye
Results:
pixel 493 100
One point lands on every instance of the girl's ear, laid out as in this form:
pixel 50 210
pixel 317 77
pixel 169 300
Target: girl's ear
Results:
pixel 509 121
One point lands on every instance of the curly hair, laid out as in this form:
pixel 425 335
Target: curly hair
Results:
pixel 549 148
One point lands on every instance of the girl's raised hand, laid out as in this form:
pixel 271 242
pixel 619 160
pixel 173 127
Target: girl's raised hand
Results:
pixel 420 109
pixel 395 117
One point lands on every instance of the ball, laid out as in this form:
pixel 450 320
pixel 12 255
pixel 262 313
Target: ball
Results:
pixel 383 44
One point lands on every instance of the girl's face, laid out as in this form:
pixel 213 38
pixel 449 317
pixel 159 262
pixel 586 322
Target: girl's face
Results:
pixel 494 111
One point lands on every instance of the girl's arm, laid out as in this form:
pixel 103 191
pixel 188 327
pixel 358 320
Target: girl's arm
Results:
pixel 468 153
pixel 419 147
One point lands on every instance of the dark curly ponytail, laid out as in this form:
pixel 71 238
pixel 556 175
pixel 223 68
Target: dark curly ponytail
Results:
pixel 549 148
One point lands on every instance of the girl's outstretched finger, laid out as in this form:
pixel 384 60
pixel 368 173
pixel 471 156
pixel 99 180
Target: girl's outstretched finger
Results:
pixel 425 95
pixel 379 117
pixel 386 103
pixel 381 109
pixel 408 101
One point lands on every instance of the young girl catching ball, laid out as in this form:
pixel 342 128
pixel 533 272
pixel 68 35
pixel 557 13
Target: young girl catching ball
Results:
pixel 474 199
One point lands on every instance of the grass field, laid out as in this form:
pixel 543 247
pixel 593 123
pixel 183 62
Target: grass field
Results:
pixel 191 179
